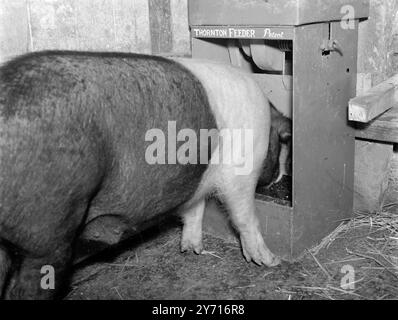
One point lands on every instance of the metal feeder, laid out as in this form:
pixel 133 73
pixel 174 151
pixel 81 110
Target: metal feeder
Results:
pixel 304 55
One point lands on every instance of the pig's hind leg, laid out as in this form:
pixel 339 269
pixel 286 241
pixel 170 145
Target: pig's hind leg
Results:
pixel 39 278
pixel 42 266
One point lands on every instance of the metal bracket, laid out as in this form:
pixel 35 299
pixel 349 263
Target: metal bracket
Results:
pixel 331 46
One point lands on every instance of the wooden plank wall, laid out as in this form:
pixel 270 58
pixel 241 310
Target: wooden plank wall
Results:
pixel 14 35
pixel 160 26
pixel 378 47
pixel 144 26
pixel 378 61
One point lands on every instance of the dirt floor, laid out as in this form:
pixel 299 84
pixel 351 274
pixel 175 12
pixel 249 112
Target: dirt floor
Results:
pixel 152 267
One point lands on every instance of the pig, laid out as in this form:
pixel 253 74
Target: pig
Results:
pixel 73 145
pixel 278 161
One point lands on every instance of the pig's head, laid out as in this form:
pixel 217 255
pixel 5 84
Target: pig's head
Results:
pixel 280 137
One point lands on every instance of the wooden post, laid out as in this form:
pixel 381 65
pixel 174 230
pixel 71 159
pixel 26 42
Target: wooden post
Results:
pixel 160 25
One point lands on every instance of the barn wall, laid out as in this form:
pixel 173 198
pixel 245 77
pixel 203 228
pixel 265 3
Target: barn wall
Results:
pixel 144 26
pixel 377 45
pixel 159 26
pixel 378 60
pixel 14 36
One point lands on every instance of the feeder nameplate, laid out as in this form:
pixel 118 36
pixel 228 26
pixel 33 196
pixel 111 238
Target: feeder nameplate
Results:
pixel 271 33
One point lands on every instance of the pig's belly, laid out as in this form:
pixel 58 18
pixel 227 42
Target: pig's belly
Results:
pixel 152 190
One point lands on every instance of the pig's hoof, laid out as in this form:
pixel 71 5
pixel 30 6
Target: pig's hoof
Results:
pixel 187 245
pixel 254 249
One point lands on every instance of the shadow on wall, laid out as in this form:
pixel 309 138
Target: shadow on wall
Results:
pixel 144 26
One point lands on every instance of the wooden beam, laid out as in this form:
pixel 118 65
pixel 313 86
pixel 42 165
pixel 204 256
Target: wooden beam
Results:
pixel 383 128
pixel 375 102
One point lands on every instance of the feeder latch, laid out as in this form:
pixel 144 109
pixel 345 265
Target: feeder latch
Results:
pixel 329 46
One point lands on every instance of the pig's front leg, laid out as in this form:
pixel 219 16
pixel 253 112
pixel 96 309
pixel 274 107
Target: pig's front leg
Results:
pixel 192 229
pixel 238 193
